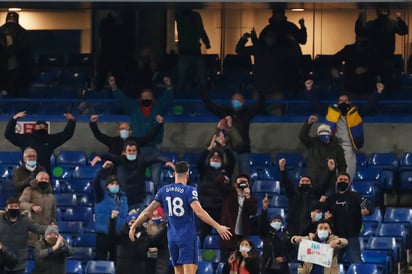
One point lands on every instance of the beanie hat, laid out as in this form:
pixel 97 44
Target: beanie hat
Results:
pixel 216 153
pixel 324 129
pixel 157 215
pixel 133 214
pixel 50 229
pixel 111 179
pixel 277 217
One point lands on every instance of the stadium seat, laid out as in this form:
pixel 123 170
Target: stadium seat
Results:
pixel 190 157
pixel 84 60
pixel 210 255
pixel 388 163
pixel 406 160
pixel 211 242
pixel 49 60
pixel 166 175
pixel 368 189
pixel 150 187
pixel 260 159
pixel 69 238
pixel 277 211
pixel 292 159
pixel 204 267
pixel 377 257
pixel 74 78
pixel 398 215
pixel 375 217
pixel 80 186
pixel 368 229
pixel 172 156
pixel 71 158
pixel 11 157
pixel 29 267
pixel 86 239
pixel 66 199
pixel 219 268
pixel 58 214
pixel 194 176
pixel 405 180
pixel 7 185
pixel 361 160
pixel 390 244
pixel 365 268
pixel 74 227
pixel 395 230
pixel 78 213
pixel 264 173
pixel 257 241
pixel 83 254
pixel 279 201
pixel 99 267
pixel 74 266
pixel 267 186
pixel 85 172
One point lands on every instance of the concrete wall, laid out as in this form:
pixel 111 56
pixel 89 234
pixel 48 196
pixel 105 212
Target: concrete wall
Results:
pixel 266 137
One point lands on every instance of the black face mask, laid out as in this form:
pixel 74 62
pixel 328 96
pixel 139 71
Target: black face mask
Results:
pixel 146 102
pixel 13 212
pixel 41 132
pixel 344 108
pixel 304 187
pixel 342 186
pixel 43 185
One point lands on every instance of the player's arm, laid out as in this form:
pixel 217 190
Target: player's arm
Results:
pixel 222 230
pixel 142 218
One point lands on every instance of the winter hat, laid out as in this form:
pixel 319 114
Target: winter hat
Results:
pixel 111 179
pixel 157 215
pixel 277 217
pixel 324 129
pixel 216 153
pixel 50 229
pixel 133 214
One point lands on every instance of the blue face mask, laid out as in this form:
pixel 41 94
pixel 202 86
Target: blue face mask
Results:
pixel 324 138
pixel 323 235
pixel 114 189
pixel 276 225
pixel 31 163
pixel 215 164
pixel 124 134
pixel 236 104
pixel 131 157
pixel 318 216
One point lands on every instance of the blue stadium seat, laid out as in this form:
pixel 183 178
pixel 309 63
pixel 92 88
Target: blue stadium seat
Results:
pixel 83 254
pixel 85 172
pixel 81 186
pixel 341 269
pixel 58 214
pixel 172 155
pixel 190 157
pixel 150 187
pixel 292 159
pixel 405 180
pixel 257 241
pixel 368 189
pixel 166 175
pixel 264 173
pixel 406 160
pixel 267 186
pixel 210 255
pixel 388 163
pixel 66 199
pixel 279 201
pixel 194 176
pixel 11 157
pixel 74 266
pixel 390 244
pixel 7 185
pixel 99 267
pixel 78 213
pixel 398 215
pixel 260 159
pixel 86 239
pixel 29 267
pixel 365 268
pixel 219 268
pixel 211 242
pixel 204 267
pixel 377 257
pixel 84 60
pixel 368 229
pixel 69 238
pixel 375 217
pixel 74 77
pixel 71 158
pixel 50 60
pixel 400 231
pixel 361 160
pixel 74 227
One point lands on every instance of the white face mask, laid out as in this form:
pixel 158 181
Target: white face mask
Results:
pixel 244 249
pixel 323 234
pixel 131 157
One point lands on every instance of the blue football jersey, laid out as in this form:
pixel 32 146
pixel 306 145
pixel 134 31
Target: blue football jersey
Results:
pixel 175 200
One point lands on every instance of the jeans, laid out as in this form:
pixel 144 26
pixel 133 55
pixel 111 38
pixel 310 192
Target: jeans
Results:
pixel 155 168
pixel 351 253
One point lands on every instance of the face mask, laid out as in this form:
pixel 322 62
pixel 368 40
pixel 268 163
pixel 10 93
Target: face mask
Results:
pixel 236 104
pixel 51 241
pixel 31 163
pixel 323 235
pixel 344 108
pixel 276 225
pixel 244 249
pixel 124 134
pixel 43 185
pixel 318 216
pixel 13 212
pixel 304 187
pixel 131 157
pixel 215 164
pixel 342 186
pixel 41 132
pixel 146 102
pixel 324 138
pixel 114 189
